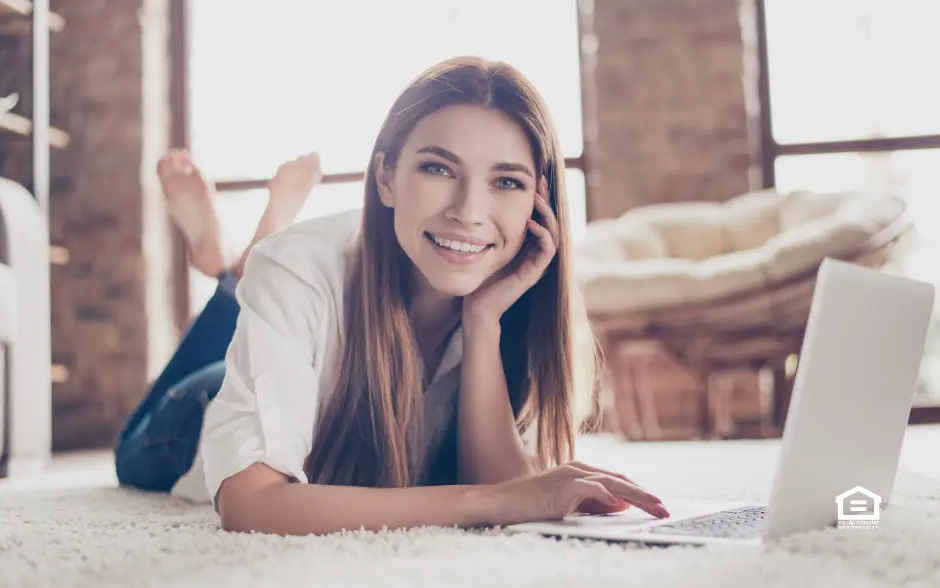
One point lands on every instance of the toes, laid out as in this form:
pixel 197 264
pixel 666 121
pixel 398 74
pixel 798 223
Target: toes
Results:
pixel 176 163
pixel 162 165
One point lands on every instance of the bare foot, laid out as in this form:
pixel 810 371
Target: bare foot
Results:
pixel 288 191
pixel 189 203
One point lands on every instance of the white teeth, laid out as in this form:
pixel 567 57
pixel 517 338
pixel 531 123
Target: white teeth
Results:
pixel 457 245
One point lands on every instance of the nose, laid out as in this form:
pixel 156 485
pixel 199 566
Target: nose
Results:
pixel 471 203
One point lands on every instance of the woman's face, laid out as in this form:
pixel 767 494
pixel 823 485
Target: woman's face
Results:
pixel 462 191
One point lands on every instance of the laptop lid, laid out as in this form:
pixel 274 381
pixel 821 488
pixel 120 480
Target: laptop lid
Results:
pixel 852 395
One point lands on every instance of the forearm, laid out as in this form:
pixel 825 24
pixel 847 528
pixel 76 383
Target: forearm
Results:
pixel 304 509
pixel 490 448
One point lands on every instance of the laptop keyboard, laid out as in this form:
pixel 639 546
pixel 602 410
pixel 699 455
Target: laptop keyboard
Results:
pixel 737 523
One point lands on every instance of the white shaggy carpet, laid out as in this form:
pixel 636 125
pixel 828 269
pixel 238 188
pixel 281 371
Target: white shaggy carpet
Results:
pixel 83 531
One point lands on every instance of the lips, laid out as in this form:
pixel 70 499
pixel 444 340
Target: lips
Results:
pixel 456 244
pixel 453 252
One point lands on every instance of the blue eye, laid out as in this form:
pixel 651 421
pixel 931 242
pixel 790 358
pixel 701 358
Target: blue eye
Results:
pixel 434 168
pixel 509 184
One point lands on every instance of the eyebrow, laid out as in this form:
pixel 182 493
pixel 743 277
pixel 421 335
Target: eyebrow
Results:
pixel 451 156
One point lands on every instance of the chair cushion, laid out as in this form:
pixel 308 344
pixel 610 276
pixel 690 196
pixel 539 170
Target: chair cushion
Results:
pixel 8 304
pixel 666 255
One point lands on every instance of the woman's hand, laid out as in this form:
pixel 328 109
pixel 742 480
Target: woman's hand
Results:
pixel 493 298
pixel 568 489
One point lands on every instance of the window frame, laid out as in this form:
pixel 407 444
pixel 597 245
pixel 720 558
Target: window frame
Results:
pixel 180 32
pixel 770 150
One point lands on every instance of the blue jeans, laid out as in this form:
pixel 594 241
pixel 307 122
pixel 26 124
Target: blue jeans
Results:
pixel 159 441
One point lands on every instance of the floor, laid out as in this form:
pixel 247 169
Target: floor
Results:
pixel 921 451
pixel 68 526
pixel 919 454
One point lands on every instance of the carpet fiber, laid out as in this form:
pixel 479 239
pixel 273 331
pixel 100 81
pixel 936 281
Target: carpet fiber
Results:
pixel 89 533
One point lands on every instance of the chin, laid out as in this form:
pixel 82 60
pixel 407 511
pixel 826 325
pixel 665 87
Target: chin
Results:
pixel 453 285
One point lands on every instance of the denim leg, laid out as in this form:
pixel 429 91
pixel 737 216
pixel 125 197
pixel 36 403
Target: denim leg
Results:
pixel 159 451
pixel 205 343
pixel 162 433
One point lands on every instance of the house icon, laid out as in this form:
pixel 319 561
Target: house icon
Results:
pixel 859 504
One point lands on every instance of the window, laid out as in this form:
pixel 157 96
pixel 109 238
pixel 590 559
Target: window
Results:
pixel 851 97
pixel 844 69
pixel 269 81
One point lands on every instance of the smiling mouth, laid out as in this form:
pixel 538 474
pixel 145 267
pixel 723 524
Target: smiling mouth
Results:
pixel 456 246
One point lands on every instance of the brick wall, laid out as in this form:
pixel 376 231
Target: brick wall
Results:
pixel 674 106
pixel 111 319
pixel 670 117
pixel 671 114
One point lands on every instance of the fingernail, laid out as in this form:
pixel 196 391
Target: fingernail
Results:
pixel 661 511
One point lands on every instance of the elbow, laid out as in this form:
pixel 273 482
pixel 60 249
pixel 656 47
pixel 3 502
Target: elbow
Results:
pixel 235 514
pixel 230 524
pixel 272 506
pixel 252 514
pixel 239 523
pixel 244 501
pixel 233 517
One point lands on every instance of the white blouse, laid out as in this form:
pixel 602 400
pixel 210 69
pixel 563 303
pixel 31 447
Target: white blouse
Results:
pixel 284 359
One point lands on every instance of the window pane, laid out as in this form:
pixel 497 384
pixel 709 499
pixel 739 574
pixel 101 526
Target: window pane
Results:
pixel 915 175
pixel 269 84
pixel 574 182
pixel 844 69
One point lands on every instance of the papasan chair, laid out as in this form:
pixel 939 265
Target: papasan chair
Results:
pixel 699 308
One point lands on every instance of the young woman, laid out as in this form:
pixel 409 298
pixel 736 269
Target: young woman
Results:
pixel 382 367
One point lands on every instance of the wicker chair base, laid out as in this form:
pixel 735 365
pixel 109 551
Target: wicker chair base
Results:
pixel 718 370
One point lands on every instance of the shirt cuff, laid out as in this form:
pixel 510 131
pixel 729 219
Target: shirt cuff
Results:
pixel 241 446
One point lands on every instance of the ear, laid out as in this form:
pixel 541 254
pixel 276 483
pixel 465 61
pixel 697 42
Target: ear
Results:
pixel 384 180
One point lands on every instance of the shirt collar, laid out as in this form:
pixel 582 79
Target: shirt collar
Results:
pixel 452 355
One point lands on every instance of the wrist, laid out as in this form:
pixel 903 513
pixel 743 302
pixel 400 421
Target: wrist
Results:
pixel 483 502
pixel 480 324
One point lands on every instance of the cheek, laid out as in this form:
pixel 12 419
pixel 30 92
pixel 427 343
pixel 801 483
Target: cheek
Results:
pixel 422 196
pixel 516 228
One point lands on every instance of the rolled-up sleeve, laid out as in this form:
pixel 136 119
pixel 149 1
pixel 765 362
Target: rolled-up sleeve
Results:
pixel 267 407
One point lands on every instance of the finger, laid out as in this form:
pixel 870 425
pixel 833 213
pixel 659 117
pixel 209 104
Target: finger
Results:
pixel 546 243
pixel 593 469
pixel 619 485
pixel 538 261
pixel 632 494
pixel 551 221
pixel 591 506
pixel 583 489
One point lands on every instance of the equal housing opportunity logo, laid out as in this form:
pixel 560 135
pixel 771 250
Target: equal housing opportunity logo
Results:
pixel 858 509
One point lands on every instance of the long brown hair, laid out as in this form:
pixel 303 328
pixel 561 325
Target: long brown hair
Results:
pixel 370 433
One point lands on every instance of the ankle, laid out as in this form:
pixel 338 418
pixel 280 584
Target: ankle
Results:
pixel 237 269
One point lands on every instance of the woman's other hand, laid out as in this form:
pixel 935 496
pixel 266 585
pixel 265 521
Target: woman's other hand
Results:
pixel 565 490
pixel 492 299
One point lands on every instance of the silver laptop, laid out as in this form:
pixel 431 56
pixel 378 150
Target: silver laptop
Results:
pixel 842 440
